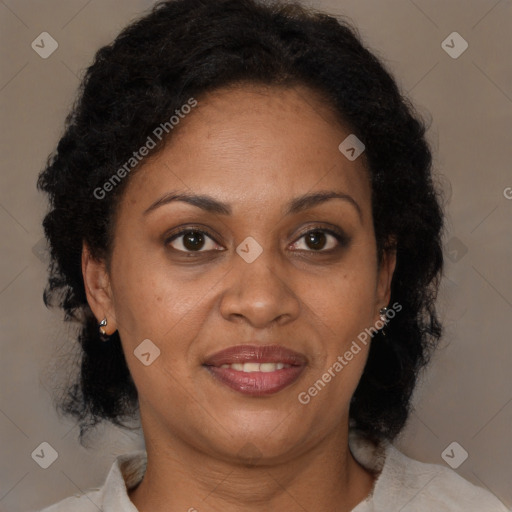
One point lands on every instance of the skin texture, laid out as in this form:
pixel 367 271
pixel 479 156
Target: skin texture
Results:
pixel 256 149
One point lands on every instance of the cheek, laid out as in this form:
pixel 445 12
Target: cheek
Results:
pixel 345 299
pixel 158 302
pixel 341 308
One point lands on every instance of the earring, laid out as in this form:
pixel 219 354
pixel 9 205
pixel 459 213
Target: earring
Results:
pixel 103 333
pixel 383 319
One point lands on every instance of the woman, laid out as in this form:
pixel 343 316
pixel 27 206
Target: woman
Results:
pixel 243 221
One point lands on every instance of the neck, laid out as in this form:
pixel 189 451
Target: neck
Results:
pixel 179 478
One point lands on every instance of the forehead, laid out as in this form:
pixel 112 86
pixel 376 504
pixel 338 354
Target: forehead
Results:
pixel 255 146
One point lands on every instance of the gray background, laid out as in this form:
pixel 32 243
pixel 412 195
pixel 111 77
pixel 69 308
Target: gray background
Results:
pixel 466 396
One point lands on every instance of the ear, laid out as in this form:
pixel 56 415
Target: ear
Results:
pixel 98 289
pixel 385 275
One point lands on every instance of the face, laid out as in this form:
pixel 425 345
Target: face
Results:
pixel 253 292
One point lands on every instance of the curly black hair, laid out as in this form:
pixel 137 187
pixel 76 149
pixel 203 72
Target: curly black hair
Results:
pixel 187 48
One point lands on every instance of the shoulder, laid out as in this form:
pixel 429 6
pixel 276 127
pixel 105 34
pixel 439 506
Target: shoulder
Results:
pixel 126 472
pixel 421 486
pixel 408 485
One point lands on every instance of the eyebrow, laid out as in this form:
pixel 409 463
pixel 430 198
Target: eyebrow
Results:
pixel 211 205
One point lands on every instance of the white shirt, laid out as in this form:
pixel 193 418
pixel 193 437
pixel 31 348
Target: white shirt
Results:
pixel 403 484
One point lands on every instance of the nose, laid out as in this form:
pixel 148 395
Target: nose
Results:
pixel 259 293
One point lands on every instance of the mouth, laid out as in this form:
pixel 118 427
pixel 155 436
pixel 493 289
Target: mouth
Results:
pixel 256 370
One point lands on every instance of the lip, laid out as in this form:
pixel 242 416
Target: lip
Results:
pixel 256 383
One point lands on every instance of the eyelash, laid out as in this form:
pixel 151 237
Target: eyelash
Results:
pixel 340 237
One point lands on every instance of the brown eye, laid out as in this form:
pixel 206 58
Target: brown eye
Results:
pixel 315 239
pixel 321 240
pixel 192 240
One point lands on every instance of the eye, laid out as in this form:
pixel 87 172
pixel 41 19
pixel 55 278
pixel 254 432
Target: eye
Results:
pixel 321 240
pixel 192 240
